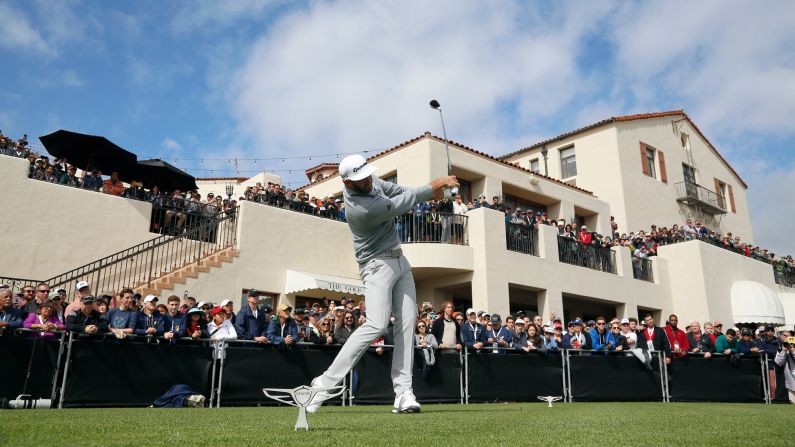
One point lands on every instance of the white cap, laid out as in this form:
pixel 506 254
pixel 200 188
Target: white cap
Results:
pixel 519 321
pixel 225 302
pixel 624 321
pixel 81 284
pixel 355 167
pixel 549 330
pixel 470 311
pixel 339 308
pixel 150 298
pixel 201 303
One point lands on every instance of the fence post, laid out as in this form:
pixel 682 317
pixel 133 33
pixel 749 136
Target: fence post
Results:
pixel 663 376
pixel 350 388
pixel 568 375
pixel 212 379
pixel 57 368
pixel 465 381
pixel 765 378
pixel 66 370
pixel 220 380
pixel 563 375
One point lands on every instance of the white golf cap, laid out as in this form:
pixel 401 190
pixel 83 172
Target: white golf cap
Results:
pixel 201 303
pixel 81 285
pixel 355 167
pixel 339 308
pixel 519 321
pixel 549 330
pixel 225 302
pixel 624 321
pixel 470 311
pixel 150 298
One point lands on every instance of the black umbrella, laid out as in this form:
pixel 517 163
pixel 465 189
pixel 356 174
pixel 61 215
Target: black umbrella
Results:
pixel 164 175
pixel 90 152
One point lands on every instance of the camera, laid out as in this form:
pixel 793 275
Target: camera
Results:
pixel 25 402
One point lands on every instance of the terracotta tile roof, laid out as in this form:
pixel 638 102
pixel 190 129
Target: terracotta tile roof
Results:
pixel 463 148
pixel 321 166
pixel 237 179
pixel 639 116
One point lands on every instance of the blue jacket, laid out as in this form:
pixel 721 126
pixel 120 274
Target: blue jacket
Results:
pixel 122 319
pixel 596 344
pixel 469 336
pixel 551 344
pixel 13 317
pixel 503 332
pixel 171 324
pixel 158 322
pixel 769 346
pixel 248 326
pixel 275 334
pixel 744 347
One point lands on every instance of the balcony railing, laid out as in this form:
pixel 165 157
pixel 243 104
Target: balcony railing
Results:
pixel 521 238
pixel 784 276
pixel 693 194
pixel 299 206
pixel 433 227
pixel 593 257
pixel 641 269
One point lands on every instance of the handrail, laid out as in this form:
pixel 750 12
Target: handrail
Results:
pixel 571 251
pixel 687 190
pixel 16 284
pixel 521 238
pixel 138 265
pixel 641 269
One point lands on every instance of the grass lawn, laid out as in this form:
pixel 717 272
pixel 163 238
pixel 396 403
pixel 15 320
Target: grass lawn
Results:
pixel 478 425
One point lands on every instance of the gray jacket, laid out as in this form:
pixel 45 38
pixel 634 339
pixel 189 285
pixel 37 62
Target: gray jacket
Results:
pixel 371 216
pixel 787 360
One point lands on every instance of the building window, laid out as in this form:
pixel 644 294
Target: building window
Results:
pixel 650 162
pixel 568 163
pixel 720 188
pixel 535 166
pixel 391 178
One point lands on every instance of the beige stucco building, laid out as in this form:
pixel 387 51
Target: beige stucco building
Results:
pixel 295 257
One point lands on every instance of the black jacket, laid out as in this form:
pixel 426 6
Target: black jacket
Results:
pixel 77 321
pixel 704 342
pixel 437 329
pixel 659 339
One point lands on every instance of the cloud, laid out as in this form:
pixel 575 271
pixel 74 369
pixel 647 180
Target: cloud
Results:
pixel 18 34
pixel 348 76
pixel 61 78
pixel 769 192
pixel 171 144
pixel 212 16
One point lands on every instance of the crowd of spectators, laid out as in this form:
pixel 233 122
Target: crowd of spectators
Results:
pixel 126 314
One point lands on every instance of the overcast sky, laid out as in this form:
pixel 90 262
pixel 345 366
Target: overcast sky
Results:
pixel 236 79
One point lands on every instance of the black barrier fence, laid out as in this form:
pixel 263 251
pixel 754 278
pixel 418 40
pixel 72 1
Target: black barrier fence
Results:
pixel 105 372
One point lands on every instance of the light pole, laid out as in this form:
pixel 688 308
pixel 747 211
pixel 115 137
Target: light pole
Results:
pixel 448 192
pixel 544 152
pixel 230 189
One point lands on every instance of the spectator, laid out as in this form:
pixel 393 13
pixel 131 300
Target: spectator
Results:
pixel 123 319
pixel 45 321
pixel 136 191
pixel 599 341
pixel 41 296
pixel 652 338
pixel 176 205
pixel 10 317
pixel 102 306
pixel 630 336
pixel 325 334
pixel 58 306
pixel 86 320
pixel 578 339
pixel 229 309
pixel 519 335
pixel 20 302
pixel 717 330
pixel 346 326
pixel 677 338
pixel 553 338
pixel 727 344
pixel 446 329
pixel 82 288
pixel 195 325
pixel 251 324
pixel 427 343
pixel 220 328
pixel 498 335
pixel 150 321
pixel 535 341
pixel 747 344
pixel 786 358
pixel 615 340
pixel 471 331
pixel 283 331
pixel 700 342
pixel 69 178
pixel 93 180
pixel 174 324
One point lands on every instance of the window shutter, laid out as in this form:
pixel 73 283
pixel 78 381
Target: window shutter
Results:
pixel 643 164
pixel 721 199
pixel 731 198
pixel 663 172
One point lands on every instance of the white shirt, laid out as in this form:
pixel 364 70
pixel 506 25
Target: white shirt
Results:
pixel 225 332
pixel 459 208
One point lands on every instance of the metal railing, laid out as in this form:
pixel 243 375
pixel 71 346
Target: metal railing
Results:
pixel 171 220
pixel 784 276
pixel 142 264
pixel 299 206
pixel 442 228
pixel 692 193
pixel 521 238
pixel 594 257
pixel 641 269
pixel 16 284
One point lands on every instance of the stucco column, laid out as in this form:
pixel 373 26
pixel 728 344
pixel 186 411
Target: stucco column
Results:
pixel 623 261
pixel 550 302
pixel 548 243
pixel 492 187
pixel 626 310
pixel 561 210
pixel 489 282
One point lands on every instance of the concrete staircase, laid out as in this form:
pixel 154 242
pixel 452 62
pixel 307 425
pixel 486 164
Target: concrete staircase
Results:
pixel 168 280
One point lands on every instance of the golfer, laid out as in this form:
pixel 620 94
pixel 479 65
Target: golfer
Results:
pixel 371 206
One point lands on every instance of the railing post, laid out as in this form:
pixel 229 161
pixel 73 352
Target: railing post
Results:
pixel 66 370
pixel 54 392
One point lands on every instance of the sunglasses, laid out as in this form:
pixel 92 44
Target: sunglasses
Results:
pixel 600 324
pixel 324 324
pixel 421 326
pixel 44 291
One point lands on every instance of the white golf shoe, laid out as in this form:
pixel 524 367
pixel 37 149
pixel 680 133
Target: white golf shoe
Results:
pixel 406 403
pixel 317 400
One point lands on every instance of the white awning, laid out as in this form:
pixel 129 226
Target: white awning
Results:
pixel 296 281
pixel 755 303
pixel 788 303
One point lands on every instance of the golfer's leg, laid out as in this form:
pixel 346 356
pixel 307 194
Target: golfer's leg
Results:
pixel 404 307
pixel 378 281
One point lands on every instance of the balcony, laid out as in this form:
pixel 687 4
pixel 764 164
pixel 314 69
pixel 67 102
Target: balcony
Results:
pixel 441 228
pixel 574 252
pixel 641 269
pixel 693 194
pixel 785 276
pixel 521 238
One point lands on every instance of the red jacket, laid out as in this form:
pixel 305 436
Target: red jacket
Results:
pixel 675 337
pixel 585 237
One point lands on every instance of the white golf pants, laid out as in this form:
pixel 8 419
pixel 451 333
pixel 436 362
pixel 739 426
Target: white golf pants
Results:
pixel 389 290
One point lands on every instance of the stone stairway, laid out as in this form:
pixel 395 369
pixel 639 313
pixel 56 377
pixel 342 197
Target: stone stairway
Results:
pixel 167 280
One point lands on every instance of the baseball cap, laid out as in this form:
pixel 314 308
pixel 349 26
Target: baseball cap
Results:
pixel 225 302
pixel 624 321
pixel 216 311
pixel 590 322
pixel 253 292
pixel 496 318
pixel 470 311
pixel 201 303
pixel 87 299
pixel 355 167
pixel 81 285
pixel 339 308
pixel 578 322
pixel 519 321
pixel 150 298
pixel 5 286
pixel 53 295
pixel 283 307
pixel 195 310
pixel 549 330
pixel 717 323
